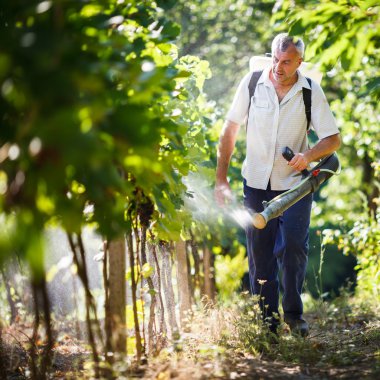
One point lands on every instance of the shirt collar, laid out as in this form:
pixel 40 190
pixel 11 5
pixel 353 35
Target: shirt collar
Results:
pixel 265 77
pixel 301 82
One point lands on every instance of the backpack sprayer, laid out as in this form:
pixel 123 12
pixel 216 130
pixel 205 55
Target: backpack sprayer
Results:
pixel 311 181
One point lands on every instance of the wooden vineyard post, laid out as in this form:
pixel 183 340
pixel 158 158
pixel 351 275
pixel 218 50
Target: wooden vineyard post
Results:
pixel 209 275
pixel 116 310
pixel 184 294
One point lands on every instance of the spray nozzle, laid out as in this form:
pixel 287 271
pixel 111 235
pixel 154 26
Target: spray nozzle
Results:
pixel 259 221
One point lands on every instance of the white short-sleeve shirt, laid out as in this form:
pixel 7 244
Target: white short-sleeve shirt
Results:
pixel 273 125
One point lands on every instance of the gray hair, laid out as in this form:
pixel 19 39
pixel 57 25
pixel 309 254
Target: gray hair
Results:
pixel 283 41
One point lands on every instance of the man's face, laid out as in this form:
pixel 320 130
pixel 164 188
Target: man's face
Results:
pixel 285 64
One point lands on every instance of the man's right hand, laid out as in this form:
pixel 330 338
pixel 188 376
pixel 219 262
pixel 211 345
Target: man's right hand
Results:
pixel 222 193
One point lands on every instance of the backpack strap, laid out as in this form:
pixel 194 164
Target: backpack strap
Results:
pixel 306 93
pixel 252 87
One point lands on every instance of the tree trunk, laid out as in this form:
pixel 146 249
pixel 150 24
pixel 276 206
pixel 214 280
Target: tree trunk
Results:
pixel 160 312
pixel 132 264
pixel 209 276
pixel 78 332
pixel 138 244
pixel 197 263
pixel 79 259
pixel 41 361
pixel 107 319
pixel 183 280
pixel 35 375
pixel 3 371
pixel 47 351
pixel 152 341
pixel 167 286
pixel 190 277
pixel 116 308
pixel 11 302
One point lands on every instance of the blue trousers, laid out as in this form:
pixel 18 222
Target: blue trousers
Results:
pixel 284 244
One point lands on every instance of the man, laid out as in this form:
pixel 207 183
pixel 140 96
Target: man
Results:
pixel 276 118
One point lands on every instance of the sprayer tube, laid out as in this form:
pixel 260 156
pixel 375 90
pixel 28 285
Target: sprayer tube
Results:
pixel 279 205
pixel 328 167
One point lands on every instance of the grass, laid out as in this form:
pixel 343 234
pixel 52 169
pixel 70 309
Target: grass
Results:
pixel 230 341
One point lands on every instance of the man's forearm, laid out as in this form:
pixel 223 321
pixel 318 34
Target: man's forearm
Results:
pixel 225 149
pixel 323 148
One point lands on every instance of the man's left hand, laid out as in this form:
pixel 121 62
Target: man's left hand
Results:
pixel 299 162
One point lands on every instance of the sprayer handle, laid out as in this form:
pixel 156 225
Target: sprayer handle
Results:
pixel 288 154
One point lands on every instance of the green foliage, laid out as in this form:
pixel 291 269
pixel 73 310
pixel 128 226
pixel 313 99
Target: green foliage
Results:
pixel 363 241
pixel 221 33
pixel 230 271
pixel 347 32
pixel 336 268
pixel 225 33
pixel 96 110
pixel 249 333
pixel 147 270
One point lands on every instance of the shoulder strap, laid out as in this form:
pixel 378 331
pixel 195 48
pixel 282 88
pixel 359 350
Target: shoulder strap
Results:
pixel 253 83
pixel 252 87
pixel 306 93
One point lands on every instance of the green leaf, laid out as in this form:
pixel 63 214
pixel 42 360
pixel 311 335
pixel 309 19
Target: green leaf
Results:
pixel 170 29
pixel 372 87
pixel 147 270
pixel 91 10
